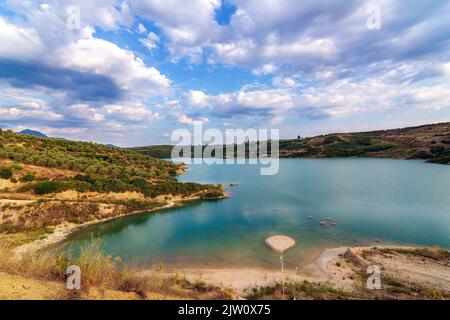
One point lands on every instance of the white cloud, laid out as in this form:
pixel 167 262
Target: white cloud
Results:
pixel 135 112
pixel 18 42
pixel 285 82
pixel 85 112
pixel 273 98
pixel 151 42
pixel 196 98
pixel 141 29
pixel 188 26
pixel 28 112
pixel 300 49
pixel 106 58
pixel 401 87
pixel 238 52
pixel 184 119
pixel 265 69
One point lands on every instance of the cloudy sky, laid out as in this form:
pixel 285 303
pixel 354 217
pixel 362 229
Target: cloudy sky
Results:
pixel 130 72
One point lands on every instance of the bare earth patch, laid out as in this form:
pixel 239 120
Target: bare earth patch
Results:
pixel 412 268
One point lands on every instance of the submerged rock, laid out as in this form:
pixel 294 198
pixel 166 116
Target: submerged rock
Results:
pixel 327 222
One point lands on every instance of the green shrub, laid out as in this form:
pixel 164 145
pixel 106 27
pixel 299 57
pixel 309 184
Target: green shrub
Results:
pixel 378 147
pixel 331 139
pixel 16 166
pixel 362 140
pixel 46 187
pixel 421 155
pixel 342 150
pixel 27 178
pixel 437 150
pixel 212 194
pixel 6 173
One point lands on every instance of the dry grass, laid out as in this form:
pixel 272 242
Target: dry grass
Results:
pixel 98 269
pixel 304 290
pixel 102 272
pixel 437 254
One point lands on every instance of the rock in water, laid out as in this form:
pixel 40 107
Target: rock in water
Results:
pixel 280 243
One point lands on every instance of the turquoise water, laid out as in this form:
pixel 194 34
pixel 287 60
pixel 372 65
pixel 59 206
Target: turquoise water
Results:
pixel 393 201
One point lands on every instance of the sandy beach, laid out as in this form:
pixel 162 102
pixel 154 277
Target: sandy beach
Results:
pixel 331 266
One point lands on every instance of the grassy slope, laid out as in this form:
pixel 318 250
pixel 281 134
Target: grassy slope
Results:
pixel 430 142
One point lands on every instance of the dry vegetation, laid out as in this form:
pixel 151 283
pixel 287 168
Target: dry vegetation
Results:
pixel 99 273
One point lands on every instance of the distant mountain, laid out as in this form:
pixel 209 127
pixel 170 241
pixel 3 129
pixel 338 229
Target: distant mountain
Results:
pixel 33 133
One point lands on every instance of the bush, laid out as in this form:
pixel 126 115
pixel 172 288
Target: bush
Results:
pixel 421 155
pixel 362 140
pixel 437 150
pixel 6 173
pixel 16 166
pixel 27 178
pixel 331 139
pixel 378 147
pixel 143 186
pixel 46 187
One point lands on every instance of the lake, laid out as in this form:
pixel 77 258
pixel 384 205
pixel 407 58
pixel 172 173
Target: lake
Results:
pixel 371 200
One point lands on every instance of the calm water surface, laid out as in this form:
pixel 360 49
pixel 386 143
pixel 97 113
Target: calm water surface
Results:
pixel 392 201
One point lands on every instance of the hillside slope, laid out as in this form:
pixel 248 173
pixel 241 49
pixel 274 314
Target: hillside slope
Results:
pixel 428 142
pixel 46 182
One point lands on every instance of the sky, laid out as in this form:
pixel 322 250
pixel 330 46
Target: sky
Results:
pixel 130 72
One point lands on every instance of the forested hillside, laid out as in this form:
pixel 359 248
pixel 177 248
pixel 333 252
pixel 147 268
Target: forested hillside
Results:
pixel 46 181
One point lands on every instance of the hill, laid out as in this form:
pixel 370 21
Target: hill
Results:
pixel 46 182
pixel 33 133
pixel 429 142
